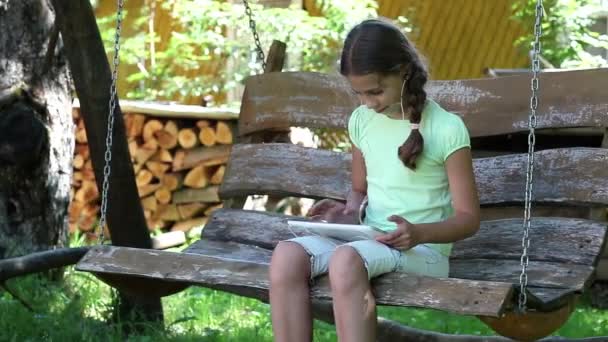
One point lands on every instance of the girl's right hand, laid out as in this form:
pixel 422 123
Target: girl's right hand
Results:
pixel 332 211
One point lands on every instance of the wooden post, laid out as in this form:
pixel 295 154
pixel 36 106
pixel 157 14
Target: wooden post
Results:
pixel 92 78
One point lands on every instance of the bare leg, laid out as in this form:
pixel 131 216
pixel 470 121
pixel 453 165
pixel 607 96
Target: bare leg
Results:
pixel 353 301
pixel 289 293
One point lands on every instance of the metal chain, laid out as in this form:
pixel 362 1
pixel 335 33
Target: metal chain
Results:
pixel 110 129
pixel 256 37
pixel 535 85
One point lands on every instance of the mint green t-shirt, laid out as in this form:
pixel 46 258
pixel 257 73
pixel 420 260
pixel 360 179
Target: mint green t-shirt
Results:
pixel 420 196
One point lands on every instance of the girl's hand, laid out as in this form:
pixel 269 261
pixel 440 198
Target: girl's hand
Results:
pixel 353 204
pixel 331 211
pixel 404 237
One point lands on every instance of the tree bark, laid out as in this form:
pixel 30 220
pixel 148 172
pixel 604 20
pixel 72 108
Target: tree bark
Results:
pixel 35 114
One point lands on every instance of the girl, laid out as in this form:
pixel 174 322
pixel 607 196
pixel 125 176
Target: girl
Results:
pixel 411 160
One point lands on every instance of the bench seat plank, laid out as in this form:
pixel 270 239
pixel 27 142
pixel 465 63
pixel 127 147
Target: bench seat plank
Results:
pixel 250 277
pixel 540 298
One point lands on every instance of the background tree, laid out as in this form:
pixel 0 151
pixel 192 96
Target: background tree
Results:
pixel 35 114
pixel 567 32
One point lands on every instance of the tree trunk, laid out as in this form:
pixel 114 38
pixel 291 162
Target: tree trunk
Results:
pixel 36 140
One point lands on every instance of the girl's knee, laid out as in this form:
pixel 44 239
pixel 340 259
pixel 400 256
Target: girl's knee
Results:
pixel 290 263
pixel 347 270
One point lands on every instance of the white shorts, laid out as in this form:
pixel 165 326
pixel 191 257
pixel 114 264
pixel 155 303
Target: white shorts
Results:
pixel 378 258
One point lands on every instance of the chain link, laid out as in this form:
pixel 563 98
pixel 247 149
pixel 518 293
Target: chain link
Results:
pixel 110 129
pixel 535 86
pixel 256 37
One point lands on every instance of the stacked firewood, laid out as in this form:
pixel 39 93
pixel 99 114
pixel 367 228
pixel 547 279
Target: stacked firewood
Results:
pixel 179 164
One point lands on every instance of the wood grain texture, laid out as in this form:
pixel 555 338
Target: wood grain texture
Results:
pixel 572 241
pixel 563 259
pixel 553 239
pixel 488 106
pixel 542 274
pixel 454 295
pixel 562 176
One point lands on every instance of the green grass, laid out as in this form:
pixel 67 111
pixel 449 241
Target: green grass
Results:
pixel 79 309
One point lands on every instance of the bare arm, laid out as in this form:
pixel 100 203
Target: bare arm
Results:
pixel 465 221
pixel 359 182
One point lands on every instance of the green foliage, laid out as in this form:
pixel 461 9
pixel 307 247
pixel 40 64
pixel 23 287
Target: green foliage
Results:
pixel 566 31
pixel 214 35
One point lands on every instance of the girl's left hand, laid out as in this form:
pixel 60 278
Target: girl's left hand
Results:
pixel 404 237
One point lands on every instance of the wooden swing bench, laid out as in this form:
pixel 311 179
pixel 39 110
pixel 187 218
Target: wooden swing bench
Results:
pixel 235 247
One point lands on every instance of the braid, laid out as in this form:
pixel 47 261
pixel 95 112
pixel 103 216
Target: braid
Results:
pixel 414 99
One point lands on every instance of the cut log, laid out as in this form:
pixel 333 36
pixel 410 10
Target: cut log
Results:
pixel 134 125
pixel 143 177
pixel 207 136
pixel 83 150
pixel 171 127
pixel 150 144
pixel 157 169
pixel 216 161
pixel 149 203
pixel 187 138
pixel 88 218
pixel 203 123
pixel 154 224
pixel 133 148
pixel 168 240
pixel 163 195
pixel 151 127
pixel 87 192
pixel 162 155
pixel 186 225
pixel 75 210
pixel 187 211
pixel 88 165
pixel 147 189
pixel 88 174
pixel 166 139
pixel 187 159
pixel 143 154
pixel 206 195
pixel 218 175
pixel 167 212
pixel 81 136
pixel 77 177
pixel 78 162
pixel 196 178
pixel 172 181
pixel 223 132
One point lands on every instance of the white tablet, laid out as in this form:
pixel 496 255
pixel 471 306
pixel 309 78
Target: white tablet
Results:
pixel 345 232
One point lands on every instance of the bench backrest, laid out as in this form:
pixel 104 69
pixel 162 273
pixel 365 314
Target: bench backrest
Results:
pixel 571 176
pixel 487 106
